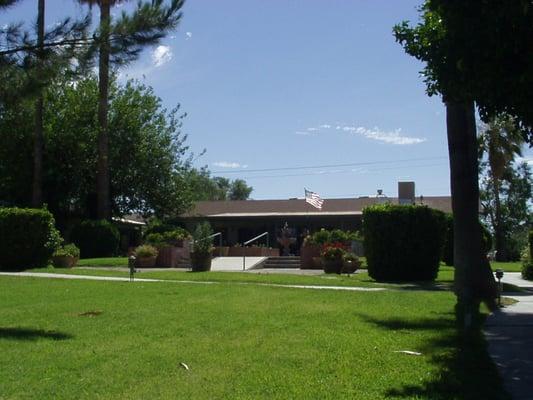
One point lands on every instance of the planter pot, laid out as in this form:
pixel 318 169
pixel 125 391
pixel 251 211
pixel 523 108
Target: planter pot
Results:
pixel 349 267
pixel 64 261
pixel 145 262
pixel 201 262
pixel 167 257
pixel 317 263
pixel 333 266
pixel 307 254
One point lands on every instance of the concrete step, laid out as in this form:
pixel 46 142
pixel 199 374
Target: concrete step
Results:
pixel 282 262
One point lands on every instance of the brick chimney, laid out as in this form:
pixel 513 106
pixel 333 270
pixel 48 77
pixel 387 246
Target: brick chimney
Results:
pixel 406 193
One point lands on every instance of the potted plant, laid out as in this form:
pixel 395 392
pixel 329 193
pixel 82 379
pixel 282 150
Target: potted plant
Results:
pixel 66 256
pixel 333 255
pixel 145 256
pixel 351 263
pixel 201 248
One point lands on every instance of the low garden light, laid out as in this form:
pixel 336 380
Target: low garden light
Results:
pixel 131 265
pixel 499 276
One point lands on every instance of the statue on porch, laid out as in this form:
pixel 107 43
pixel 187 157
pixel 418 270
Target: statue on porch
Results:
pixel 285 240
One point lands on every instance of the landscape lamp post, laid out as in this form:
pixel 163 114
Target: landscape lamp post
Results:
pixel 131 265
pixel 499 276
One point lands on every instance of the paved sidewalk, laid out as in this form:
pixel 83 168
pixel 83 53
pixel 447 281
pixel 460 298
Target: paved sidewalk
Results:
pixel 509 332
pixel 120 279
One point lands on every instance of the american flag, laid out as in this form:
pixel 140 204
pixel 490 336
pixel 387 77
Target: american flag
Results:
pixel 313 199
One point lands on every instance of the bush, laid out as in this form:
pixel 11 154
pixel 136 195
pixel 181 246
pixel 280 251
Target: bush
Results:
pixel 96 238
pixel 324 236
pixel 145 251
pixel 201 245
pixel 69 250
pixel 333 251
pixel 403 243
pixel 447 249
pixel 29 238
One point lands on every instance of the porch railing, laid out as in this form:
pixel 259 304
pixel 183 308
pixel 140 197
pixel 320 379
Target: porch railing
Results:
pixel 250 241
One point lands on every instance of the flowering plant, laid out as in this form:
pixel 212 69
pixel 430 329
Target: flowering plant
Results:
pixel 333 251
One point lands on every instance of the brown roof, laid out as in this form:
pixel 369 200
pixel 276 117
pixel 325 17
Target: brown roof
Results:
pixel 353 206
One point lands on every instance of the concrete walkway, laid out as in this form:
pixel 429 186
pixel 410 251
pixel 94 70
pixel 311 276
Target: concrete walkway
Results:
pixel 509 332
pixel 120 279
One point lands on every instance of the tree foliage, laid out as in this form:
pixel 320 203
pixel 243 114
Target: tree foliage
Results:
pixel 479 51
pixel 516 216
pixel 205 187
pixel 500 142
pixel 149 157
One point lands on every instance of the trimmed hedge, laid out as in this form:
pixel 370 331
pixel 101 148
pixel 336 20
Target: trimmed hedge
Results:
pixel 447 250
pixel 96 238
pixel 29 238
pixel 403 242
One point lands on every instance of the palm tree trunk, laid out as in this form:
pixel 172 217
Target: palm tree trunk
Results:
pixel 38 140
pixel 498 233
pixel 102 178
pixel 473 278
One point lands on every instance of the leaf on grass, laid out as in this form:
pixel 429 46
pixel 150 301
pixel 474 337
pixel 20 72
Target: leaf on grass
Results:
pixel 94 313
pixel 411 353
pixel 184 366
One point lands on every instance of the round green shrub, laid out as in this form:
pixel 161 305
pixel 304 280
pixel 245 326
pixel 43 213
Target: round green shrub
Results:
pixel 68 250
pixel 29 238
pixel 403 242
pixel 96 238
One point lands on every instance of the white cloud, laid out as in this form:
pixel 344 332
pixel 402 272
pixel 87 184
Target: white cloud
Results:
pixel 390 137
pixel 229 164
pixel 161 55
pixel 188 35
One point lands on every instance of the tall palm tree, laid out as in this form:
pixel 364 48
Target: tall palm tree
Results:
pixel 123 40
pixel 102 174
pixel 501 141
pixel 38 140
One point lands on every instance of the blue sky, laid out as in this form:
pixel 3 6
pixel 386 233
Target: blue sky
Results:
pixel 291 83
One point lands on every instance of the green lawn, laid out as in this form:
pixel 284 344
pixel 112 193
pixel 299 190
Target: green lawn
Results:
pixel 507 266
pixel 103 262
pixel 444 279
pixel 84 339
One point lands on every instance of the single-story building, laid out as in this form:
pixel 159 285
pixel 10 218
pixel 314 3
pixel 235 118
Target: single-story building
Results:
pixel 240 221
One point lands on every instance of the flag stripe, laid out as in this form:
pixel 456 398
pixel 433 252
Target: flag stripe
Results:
pixel 313 199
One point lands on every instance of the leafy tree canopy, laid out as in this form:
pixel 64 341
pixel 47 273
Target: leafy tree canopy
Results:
pixel 148 157
pixel 205 187
pixel 477 51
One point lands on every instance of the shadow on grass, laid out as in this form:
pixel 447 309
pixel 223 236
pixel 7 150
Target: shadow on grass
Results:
pixel 466 371
pixel 31 334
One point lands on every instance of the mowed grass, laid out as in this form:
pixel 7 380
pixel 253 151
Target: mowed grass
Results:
pixel 83 339
pixel 103 262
